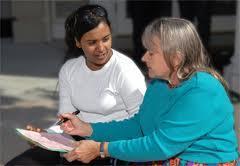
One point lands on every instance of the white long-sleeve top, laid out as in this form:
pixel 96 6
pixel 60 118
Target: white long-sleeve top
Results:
pixel 114 92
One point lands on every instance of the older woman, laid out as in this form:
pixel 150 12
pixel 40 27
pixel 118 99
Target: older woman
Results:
pixel 186 116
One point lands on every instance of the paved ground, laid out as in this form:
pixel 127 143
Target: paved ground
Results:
pixel 28 82
pixel 24 100
pixel 28 91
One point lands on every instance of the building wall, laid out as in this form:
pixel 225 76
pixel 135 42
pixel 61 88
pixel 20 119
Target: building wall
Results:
pixel 49 16
pixel 59 11
pixel 232 72
pixel 6 11
pixel 32 22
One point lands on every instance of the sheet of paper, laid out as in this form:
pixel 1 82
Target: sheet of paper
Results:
pixel 54 129
pixel 50 141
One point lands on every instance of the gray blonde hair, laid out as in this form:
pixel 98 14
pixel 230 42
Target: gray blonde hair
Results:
pixel 179 36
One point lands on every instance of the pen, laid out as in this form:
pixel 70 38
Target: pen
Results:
pixel 65 119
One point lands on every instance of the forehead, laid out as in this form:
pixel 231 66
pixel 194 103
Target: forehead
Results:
pixel 152 43
pixel 99 32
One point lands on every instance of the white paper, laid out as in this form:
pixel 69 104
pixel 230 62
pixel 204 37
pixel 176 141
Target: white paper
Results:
pixel 50 141
pixel 54 129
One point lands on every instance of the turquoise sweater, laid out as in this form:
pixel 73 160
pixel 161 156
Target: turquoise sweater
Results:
pixel 194 122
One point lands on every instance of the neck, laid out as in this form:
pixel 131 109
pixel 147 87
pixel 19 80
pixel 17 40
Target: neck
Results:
pixel 173 81
pixel 94 67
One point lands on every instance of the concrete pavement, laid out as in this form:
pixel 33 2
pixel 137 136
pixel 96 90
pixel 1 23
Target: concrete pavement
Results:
pixel 28 88
pixel 25 100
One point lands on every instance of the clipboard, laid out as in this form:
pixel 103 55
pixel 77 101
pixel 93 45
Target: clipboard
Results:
pixel 49 141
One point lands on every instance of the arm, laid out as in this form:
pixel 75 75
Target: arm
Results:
pixel 126 129
pixel 174 133
pixel 131 85
pixel 65 104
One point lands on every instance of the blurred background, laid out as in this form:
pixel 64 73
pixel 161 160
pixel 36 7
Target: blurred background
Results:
pixel 32 52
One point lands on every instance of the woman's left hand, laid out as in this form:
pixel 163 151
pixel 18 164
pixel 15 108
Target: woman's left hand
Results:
pixel 85 151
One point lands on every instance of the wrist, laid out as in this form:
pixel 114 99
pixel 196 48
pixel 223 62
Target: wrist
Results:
pixel 90 130
pixel 86 131
pixel 103 149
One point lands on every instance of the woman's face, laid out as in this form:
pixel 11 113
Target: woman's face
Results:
pixel 155 62
pixel 96 45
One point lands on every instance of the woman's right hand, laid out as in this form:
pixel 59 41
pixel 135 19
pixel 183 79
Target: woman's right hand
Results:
pixel 75 126
pixel 33 128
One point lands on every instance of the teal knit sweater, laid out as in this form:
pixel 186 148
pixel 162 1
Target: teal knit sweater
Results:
pixel 193 121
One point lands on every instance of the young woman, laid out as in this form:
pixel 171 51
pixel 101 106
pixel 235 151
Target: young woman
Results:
pixel 186 117
pixel 100 82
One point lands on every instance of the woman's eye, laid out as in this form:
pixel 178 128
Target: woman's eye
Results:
pixel 150 53
pixel 91 43
pixel 105 39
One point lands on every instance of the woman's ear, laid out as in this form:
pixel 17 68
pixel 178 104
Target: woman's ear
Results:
pixel 78 44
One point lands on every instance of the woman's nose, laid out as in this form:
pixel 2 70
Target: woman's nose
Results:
pixel 144 57
pixel 100 46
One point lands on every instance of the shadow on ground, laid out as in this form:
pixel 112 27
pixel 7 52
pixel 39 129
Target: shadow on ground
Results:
pixel 19 117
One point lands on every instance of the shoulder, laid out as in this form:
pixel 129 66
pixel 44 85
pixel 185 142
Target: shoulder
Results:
pixel 208 95
pixel 125 64
pixel 208 90
pixel 155 83
pixel 71 62
pixel 70 65
pixel 156 86
pixel 207 82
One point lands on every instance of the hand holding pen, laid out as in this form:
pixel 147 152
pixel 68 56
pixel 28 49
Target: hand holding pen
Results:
pixel 63 120
pixel 74 126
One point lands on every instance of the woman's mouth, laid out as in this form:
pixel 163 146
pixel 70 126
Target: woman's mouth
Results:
pixel 148 67
pixel 100 56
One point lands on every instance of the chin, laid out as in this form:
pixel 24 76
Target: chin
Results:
pixel 101 62
pixel 150 75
